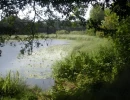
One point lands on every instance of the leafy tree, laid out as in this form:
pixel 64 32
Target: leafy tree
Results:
pixel 9 25
pixel 93 24
pixel 96 16
pixel 11 7
pixel 122 40
pixel 97 13
pixel 110 22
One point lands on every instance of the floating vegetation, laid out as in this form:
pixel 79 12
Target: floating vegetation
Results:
pixel 38 65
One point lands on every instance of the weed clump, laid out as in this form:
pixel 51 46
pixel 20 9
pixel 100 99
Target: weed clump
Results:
pixel 12 87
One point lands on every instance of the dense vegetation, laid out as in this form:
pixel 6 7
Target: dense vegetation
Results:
pixel 95 70
pixel 102 73
pixel 12 87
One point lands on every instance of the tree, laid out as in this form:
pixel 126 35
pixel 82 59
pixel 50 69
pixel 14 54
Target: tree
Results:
pixel 110 22
pixel 96 16
pixel 11 7
pixel 97 13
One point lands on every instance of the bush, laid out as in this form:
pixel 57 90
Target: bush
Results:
pixel 122 39
pixel 80 62
pixel 77 32
pixel 90 32
pixel 62 32
pixel 89 73
pixel 100 34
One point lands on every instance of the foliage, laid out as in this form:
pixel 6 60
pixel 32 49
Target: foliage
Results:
pixel 121 8
pixel 100 34
pixel 62 32
pixel 75 24
pixel 12 87
pixel 90 32
pixel 122 39
pixel 96 16
pixel 12 7
pixel 110 21
pixel 81 63
pixel 13 25
pixel 9 86
pixel 97 13
pixel 83 75
pixel 97 75
pixel 77 32
pixel 72 37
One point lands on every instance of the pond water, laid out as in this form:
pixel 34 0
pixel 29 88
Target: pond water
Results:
pixel 35 69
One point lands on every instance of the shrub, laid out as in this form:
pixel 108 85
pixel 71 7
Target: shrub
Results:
pixel 100 34
pixel 62 32
pixel 77 32
pixel 90 73
pixel 122 39
pixel 90 32
pixel 80 63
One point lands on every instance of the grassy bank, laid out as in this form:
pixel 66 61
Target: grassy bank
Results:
pixel 87 72
pixel 69 36
pixel 12 87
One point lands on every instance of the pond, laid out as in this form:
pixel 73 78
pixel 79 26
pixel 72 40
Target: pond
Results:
pixel 35 69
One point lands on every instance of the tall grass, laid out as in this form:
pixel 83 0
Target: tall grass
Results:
pixel 12 87
pixel 72 36
pixel 62 32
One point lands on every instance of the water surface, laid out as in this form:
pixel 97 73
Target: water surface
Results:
pixel 36 68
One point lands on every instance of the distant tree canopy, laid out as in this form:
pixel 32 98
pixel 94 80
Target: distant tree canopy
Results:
pixel 77 7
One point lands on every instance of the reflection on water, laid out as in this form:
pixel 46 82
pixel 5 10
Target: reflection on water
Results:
pixel 35 68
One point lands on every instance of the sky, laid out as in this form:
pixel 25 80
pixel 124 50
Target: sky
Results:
pixel 29 13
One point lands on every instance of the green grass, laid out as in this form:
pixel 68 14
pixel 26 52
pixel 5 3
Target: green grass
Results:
pixel 71 36
pixel 74 35
pixel 12 87
pixel 4 38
